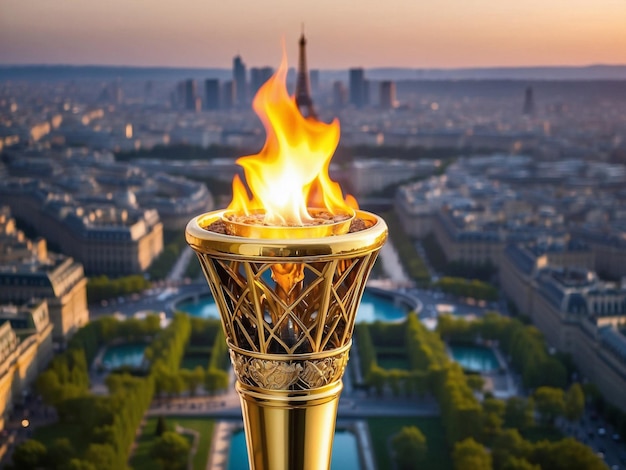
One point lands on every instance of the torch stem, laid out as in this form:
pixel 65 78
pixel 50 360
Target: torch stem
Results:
pixel 289 430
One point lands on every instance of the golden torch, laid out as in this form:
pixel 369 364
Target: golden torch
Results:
pixel 287 263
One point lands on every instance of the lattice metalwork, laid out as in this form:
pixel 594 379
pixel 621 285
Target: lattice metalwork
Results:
pixel 287 308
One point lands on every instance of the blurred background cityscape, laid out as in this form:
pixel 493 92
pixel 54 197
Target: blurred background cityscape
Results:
pixel 492 334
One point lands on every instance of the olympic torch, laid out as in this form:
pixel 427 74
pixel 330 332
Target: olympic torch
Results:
pixel 287 264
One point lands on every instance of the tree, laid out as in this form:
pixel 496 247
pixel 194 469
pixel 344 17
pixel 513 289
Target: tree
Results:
pixel 174 384
pixel 195 379
pixel 104 456
pixel 566 454
pixel 519 413
pixel 171 451
pixel 494 405
pixel 509 444
pixel 552 373
pixel 469 454
pixel 30 455
pixel 549 403
pixel 514 463
pixel 161 426
pixel 377 378
pixel 215 379
pixel 492 423
pixel 574 402
pixel 60 453
pixel 192 379
pixel 409 447
pixel 475 382
pixel 76 464
pixel 48 387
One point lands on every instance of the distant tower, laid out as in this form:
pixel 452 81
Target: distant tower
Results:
pixel 315 81
pixel 190 95
pixel 239 76
pixel 211 94
pixel 529 102
pixel 228 95
pixel 387 94
pixel 358 92
pixel 258 76
pixel 339 95
pixel 303 89
pixel 255 80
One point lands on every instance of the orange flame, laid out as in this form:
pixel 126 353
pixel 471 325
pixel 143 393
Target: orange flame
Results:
pixel 290 173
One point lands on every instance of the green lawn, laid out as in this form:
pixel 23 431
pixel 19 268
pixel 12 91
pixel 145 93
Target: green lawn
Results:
pixel 438 456
pixel 141 457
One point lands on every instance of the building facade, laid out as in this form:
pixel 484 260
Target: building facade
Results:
pixel 577 314
pixel 358 92
pixel 25 351
pixel 37 274
pixel 104 238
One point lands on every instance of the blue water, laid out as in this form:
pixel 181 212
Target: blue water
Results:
pixel 475 358
pixel 345 452
pixel 372 308
pixel 124 355
pixel 204 308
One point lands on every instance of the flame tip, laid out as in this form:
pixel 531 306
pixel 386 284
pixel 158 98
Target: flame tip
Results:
pixel 290 173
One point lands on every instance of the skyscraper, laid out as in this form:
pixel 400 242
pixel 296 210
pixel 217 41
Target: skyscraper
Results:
pixel 366 92
pixel 190 95
pixel 180 95
pixel 303 89
pixel 357 87
pixel 529 102
pixel 339 95
pixel 258 76
pixel 255 80
pixel 315 80
pixel 387 94
pixel 211 94
pixel 229 93
pixel 239 77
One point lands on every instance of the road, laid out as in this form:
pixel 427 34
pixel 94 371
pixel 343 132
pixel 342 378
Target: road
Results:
pixel 227 406
pixel 588 431
pixel 158 299
pixel 393 268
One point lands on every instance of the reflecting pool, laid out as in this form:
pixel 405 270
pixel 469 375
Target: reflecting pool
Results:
pixel 345 452
pixel 373 307
pixel 130 354
pixel 475 358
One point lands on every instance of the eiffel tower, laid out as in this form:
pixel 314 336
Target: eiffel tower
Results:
pixel 303 89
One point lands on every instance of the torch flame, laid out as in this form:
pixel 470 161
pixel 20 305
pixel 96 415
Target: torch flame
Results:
pixel 290 173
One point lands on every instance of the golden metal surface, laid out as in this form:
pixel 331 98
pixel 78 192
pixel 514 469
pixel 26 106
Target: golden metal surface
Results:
pixel 256 231
pixel 288 309
pixel 286 432
pixel 281 250
pixel 289 372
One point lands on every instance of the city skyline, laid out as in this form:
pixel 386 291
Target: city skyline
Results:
pixel 342 34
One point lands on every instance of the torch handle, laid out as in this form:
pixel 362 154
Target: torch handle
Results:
pixel 289 430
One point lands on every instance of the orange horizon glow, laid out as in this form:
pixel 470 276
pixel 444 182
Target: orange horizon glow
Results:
pixel 342 33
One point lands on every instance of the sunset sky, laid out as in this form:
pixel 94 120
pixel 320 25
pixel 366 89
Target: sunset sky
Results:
pixel 341 33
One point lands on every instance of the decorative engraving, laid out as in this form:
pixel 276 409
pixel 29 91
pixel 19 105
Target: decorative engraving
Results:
pixel 288 374
pixel 274 375
pixel 319 373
